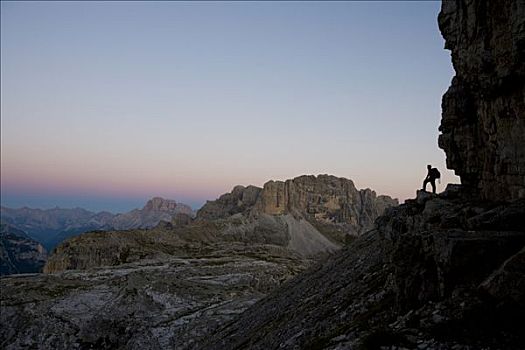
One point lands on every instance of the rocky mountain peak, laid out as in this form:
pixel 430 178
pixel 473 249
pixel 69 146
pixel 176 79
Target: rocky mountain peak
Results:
pixel 327 198
pixel 160 204
pixel 239 200
pixel 322 199
pixel 156 210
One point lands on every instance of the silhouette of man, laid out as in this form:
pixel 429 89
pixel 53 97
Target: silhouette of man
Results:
pixel 432 175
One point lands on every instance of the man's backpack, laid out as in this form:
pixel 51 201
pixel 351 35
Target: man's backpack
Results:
pixel 436 174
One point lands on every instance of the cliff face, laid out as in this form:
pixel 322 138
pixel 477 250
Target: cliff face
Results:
pixel 240 200
pixel 441 271
pixel 330 203
pixel 180 281
pixel 483 119
pixel 326 199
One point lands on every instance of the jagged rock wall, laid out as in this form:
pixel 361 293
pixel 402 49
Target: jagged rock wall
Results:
pixel 326 198
pixel 483 119
pixel 440 271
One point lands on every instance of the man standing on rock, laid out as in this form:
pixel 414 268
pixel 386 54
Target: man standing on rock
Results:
pixel 432 175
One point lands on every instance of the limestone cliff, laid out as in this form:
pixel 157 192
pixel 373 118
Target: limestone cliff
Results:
pixel 326 199
pixel 239 200
pixel 441 271
pixel 483 119
pixel 182 280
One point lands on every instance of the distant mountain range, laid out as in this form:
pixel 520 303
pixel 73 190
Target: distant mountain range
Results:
pixel 52 226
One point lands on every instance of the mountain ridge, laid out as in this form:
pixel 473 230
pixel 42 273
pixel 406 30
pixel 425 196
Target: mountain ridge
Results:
pixel 322 200
pixel 51 226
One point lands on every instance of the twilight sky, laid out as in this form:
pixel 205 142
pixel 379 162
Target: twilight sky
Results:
pixel 105 104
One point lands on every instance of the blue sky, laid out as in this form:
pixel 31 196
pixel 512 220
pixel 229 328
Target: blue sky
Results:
pixel 105 104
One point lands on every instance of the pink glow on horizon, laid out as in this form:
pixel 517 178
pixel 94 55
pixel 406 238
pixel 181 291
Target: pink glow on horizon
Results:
pixel 199 188
pixel 109 186
pixel 137 173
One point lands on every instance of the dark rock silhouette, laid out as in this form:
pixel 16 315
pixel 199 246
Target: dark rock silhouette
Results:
pixel 483 119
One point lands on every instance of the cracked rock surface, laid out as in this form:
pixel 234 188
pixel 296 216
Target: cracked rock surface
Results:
pixel 168 302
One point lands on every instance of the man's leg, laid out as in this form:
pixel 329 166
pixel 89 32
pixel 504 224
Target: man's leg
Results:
pixel 425 185
pixel 433 183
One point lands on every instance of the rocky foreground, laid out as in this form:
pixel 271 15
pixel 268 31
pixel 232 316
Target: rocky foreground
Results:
pixel 162 303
